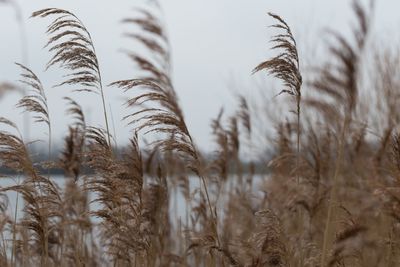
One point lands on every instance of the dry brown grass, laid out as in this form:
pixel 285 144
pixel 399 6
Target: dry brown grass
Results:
pixel 330 197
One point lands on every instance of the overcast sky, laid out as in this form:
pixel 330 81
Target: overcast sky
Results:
pixel 216 44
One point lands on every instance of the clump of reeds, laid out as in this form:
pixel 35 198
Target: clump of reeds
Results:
pixel 158 109
pixel 342 82
pixel 121 208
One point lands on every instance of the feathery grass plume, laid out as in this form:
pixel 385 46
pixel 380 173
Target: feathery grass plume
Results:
pixel 118 186
pixel 384 77
pixel 244 116
pixel 340 80
pixel 244 113
pixel 268 240
pixel 283 159
pixel 165 117
pixel 14 156
pixel 75 110
pixel 389 193
pixel 75 249
pixel 42 199
pixel 13 151
pixel 346 244
pixel 228 140
pixel 220 164
pixel 233 133
pixel 156 215
pixel 73 49
pixel 36 101
pixel 286 67
pixel 155 40
pixel 72 155
pixel 238 203
pixel 42 211
pixel 208 244
pixel 77 228
pixel 317 167
pixel 227 158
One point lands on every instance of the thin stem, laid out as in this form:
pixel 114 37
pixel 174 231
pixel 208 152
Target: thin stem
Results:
pixel 113 125
pixel 298 140
pixel 50 140
pixel 105 113
pixel 14 230
pixel 214 217
pixel 333 195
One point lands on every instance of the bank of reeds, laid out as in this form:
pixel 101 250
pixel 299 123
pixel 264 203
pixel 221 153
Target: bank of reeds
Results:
pixel 329 196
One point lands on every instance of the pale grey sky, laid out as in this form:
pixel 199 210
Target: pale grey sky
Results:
pixel 216 43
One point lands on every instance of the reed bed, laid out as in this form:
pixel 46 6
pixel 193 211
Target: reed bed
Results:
pixel 329 195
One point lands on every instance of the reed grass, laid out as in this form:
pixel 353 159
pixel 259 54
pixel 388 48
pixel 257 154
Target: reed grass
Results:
pixel 118 207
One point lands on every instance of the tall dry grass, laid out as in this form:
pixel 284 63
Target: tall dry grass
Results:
pixel 329 195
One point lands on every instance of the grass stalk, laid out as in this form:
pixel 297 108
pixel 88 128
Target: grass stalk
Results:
pixel 333 197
